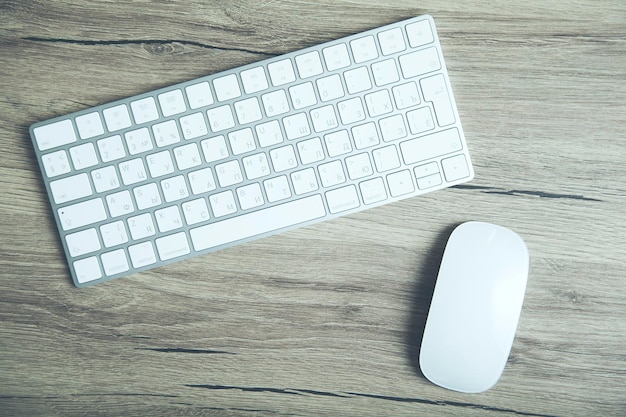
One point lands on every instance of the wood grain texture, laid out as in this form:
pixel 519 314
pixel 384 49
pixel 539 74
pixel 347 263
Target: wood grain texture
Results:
pixel 325 320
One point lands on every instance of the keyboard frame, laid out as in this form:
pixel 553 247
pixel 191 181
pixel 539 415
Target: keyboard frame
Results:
pixel 209 78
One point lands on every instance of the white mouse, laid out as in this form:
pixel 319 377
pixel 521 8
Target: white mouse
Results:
pixel 475 308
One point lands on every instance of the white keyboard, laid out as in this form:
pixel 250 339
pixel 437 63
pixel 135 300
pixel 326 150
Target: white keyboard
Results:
pixel 214 162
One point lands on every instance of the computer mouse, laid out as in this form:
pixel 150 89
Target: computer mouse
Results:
pixel 475 307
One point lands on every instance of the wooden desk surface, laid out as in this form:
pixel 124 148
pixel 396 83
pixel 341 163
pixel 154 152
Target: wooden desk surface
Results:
pixel 325 320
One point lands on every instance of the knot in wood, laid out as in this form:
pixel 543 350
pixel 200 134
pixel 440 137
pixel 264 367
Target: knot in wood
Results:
pixel 160 48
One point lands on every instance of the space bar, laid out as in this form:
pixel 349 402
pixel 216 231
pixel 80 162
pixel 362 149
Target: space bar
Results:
pixel 258 222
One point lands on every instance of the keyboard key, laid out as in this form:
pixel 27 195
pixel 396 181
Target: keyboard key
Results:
pixel 302 95
pixel 330 88
pixel 82 214
pixel 117 117
pixel 309 64
pixel 386 158
pixel 199 95
pixel 141 226
pixel 87 269
pixel 331 173
pixel 223 204
pixel 430 146
pixel 277 189
pixel 359 166
pixel 193 126
pixel 172 102
pixel 426 169
pixel 392 128
pixel 187 156
pixel 159 164
pixel 83 156
pixel 406 95
pixel 378 103
pixel 174 188
pixel 250 196
pixel 196 211
pixel 256 166
pixel 220 118
pixel 172 246
pixel 248 111
pixel 429 181
pixel 336 56
pixel 283 158
pixel 254 80
pixel 342 199
pixel 166 133
pixel 304 181
pixel 138 141
pixel 111 148
pixel 241 141
pixel 70 188
pixel 89 125
pixel 310 150
pixel 114 262
pixel 281 72
pixel 214 149
pixel 201 181
pixel 420 120
pixel 385 72
pixel 400 183
pixel 275 103
pixel 147 196
pixel 105 179
pixel 144 110
pixel 296 126
pixel 357 80
pixel 168 219
pixel 54 134
pixel 419 62
pixel 364 49
pixel 373 191
pixel 83 242
pixel 324 119
pixel 269 133
pixel 113 234
pixel 365 135
pixel 229 173
pixel 391 41
pixel 455 168
pixel 257 222
pixel 419 33
pixel 351 111
pixel 338 143
pixel 436 91
pixel 56 163
pixel 226 87
pixel 120 203
pixel 142 254
pixel 133 171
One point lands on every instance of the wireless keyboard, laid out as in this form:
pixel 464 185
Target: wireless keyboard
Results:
pixel 227 158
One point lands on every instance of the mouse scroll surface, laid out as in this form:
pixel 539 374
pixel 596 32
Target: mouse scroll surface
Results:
pixel 475 307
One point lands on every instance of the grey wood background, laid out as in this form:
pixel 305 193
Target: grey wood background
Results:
pixel 324 320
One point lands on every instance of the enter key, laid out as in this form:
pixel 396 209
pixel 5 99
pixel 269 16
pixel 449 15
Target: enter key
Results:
pixel 436 91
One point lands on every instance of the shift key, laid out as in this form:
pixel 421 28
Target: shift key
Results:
pixel 431 146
